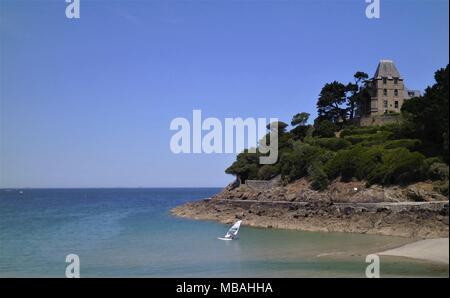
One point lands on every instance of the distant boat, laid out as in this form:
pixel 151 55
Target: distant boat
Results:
pixel 232 232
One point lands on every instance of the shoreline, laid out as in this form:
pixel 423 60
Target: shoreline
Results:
pixel 414 212
pixel 423 244
pixel 425 220
pixel 431 250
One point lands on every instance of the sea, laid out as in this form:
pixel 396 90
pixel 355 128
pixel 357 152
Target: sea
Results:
pixel 130 232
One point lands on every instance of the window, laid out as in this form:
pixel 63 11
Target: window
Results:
pixel 385 104
pixel 384 81
pixel 395 92
pixel 385 92
pixel 396 104
pixel 395 81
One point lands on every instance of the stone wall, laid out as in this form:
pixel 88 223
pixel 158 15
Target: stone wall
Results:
pixel 379 120
pixel 263 184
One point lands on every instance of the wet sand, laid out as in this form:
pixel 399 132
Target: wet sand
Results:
pixel 434 250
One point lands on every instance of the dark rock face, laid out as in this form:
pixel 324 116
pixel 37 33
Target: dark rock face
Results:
pixel 413 211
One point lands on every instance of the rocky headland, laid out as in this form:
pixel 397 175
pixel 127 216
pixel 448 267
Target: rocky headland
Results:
pixel 414 211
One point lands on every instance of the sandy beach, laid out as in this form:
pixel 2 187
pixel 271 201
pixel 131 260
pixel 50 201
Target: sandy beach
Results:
pixel 434 250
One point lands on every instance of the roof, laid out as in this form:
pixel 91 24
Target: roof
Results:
pixel 386 69
pixel 408 94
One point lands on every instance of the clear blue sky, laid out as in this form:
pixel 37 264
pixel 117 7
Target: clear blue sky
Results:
pixel 88 102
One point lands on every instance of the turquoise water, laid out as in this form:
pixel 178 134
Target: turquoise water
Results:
pixel 131 233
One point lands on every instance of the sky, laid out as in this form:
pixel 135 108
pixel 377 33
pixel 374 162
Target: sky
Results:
pixel 88 102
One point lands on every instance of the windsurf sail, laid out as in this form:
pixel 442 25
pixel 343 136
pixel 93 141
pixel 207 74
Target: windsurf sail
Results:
pixel 233 231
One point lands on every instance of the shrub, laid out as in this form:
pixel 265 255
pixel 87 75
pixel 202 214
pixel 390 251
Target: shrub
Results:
pixel 410 144
pixel 369 159
pixel 324 129
pixel 399 166
pixel 431 160
pixel 289 168
pixel 377 138
pixel 317 176
pixel 355 162
pixel 334 144
pixel 294 164
pixel 350 126
pixel 386 154
pixel 438 171
pixel 401 130
pixel 441 187
pixel 357 130
pixel 377 165
pixel 393 113
pixel 267 172
pixel 344 164
pixel 252 172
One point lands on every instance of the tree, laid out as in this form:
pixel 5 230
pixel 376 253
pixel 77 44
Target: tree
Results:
pixel 245 167
pixel 338 102
pixel 360 76
pixel 389 154
pixel 428 114
pixel 300 119
pixel 281 126
pixel 324 128
pixel 359 93
pixel 331 99
pixel 300 129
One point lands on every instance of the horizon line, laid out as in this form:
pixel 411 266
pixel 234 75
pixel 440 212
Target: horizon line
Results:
pixel 110 187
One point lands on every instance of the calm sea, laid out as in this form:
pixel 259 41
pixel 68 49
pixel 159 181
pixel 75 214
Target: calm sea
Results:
pixel 131 233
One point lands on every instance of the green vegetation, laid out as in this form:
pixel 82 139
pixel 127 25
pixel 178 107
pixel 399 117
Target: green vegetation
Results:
pixel 427 116
pixel 334 148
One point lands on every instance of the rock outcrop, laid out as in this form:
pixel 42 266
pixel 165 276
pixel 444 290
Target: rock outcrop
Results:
pixel 415 211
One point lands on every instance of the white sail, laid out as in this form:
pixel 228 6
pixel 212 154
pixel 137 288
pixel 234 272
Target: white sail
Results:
pixel 233 231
